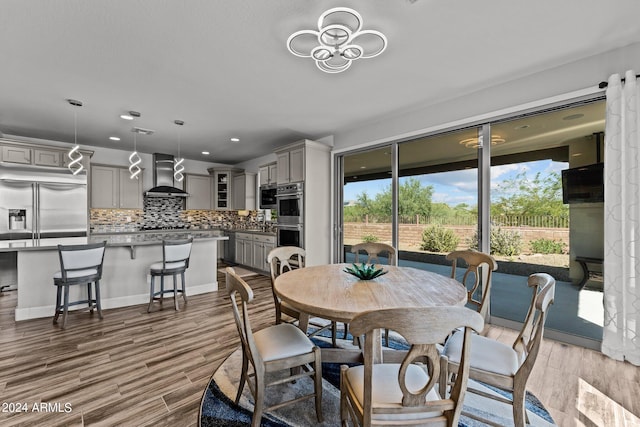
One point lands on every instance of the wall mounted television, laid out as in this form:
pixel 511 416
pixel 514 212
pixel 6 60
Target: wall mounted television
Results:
pixel 584 184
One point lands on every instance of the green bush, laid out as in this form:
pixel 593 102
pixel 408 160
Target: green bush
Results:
pixel 369 238
pixel 502 242
pixel 547 246
pixel 436 238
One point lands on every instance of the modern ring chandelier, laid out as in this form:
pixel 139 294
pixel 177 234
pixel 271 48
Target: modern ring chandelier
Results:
pixel 339 41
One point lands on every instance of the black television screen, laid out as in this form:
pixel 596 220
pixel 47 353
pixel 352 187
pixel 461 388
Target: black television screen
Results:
pixel 584 184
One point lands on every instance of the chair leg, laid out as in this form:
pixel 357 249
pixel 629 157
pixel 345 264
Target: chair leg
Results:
pixel 334 333
pixel 184 291
pixel 386 337
pixel 89 298
pixel 519 411
pixel 98 306
pixel 175 291
pixel 66 306
pixel 346 331
pixel 161 289
pixel 259 401
pixel 58 306
pixel 317 379
pixel 151 292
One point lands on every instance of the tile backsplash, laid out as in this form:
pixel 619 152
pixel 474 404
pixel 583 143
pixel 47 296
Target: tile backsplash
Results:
pixel 166 212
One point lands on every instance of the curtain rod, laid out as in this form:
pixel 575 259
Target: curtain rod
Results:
pixel 602 85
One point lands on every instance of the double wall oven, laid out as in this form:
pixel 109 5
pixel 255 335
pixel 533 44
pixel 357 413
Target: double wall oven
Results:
pixel 290 206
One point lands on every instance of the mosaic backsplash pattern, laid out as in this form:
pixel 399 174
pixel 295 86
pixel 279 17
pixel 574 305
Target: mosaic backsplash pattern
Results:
pixel 167 212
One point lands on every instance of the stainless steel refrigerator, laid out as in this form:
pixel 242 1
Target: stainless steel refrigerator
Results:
pixel 39 205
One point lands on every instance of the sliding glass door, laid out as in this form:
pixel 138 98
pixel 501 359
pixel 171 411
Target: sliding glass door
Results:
pixel 495 187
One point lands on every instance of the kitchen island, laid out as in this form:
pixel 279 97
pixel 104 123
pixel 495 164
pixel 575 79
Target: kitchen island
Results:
pixel 125 276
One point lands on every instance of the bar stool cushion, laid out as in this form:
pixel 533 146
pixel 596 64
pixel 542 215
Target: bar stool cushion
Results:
pixel 76 273
pixel 159 267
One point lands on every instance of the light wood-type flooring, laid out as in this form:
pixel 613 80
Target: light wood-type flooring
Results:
pixel 134 368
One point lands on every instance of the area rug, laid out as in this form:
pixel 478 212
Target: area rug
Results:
pixel 219 409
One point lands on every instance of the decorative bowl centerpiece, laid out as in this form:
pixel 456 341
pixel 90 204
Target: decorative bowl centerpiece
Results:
pixel 365 271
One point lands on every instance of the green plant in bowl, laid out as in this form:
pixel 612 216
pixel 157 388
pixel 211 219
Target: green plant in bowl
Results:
pixel 365 271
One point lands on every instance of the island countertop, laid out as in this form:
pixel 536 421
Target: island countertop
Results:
pixel 113 240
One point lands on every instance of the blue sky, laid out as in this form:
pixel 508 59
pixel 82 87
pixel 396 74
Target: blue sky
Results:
pixel 458 187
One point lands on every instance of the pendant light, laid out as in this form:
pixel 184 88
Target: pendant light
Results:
pixel 134 161
pixel 178 168
pixel 75 156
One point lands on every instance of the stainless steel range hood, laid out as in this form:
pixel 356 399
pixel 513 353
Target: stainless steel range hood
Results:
pixel 163 185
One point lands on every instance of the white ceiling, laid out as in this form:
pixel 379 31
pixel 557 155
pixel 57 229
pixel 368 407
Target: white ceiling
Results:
pixel 222 65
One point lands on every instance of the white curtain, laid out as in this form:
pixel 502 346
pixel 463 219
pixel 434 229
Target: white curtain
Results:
pixel 621 335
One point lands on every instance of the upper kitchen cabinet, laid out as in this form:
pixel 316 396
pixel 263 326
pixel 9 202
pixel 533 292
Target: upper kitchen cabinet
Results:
pixel 111 188
pixel 244 191
pixel 290 165
pixel 200 189
pixel 268 174
pixel 37 155
pixel 223 188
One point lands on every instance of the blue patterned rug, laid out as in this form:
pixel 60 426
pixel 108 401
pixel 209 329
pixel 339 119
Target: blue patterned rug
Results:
pixel 219 409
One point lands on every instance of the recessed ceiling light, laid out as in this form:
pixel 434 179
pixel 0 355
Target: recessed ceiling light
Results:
pixel 363 167
pixel 206 153
pixel 522 127
pixel 235 139
pixel 573 116
pixel 130 116
pixel 576 154
pixel 114 138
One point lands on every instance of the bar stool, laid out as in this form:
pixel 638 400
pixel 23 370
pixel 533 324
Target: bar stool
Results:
pixel 79 264
pixel 175 260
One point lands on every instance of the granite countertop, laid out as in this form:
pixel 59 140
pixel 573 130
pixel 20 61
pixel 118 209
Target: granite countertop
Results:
pixel 113 240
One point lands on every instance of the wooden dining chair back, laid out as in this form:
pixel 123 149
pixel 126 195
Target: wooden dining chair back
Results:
pixel 374 250
pixel 406 393
pixel 478 283
pixel 280 347
pixel 509 367
pixel 79 265
pixel 281 260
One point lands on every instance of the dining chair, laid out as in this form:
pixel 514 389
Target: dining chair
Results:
pixel 498 364
pixel 406 393
pixel 281 260
pixel 373 251
pixel 79 265
pixel 282 347
pixel 175 261
pixel 478 284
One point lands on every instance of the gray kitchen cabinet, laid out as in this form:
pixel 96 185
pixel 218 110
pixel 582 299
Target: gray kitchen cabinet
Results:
pixel 200 189
pixel 111 188
pixel 47 157
pixel 268 174
pixel 262 245
pixel 244 191
pixel 223 188
pixel 37 155
pixel 243 248
pixel 130 190
pixel 12 154
pixel 290 165
pixel 252 250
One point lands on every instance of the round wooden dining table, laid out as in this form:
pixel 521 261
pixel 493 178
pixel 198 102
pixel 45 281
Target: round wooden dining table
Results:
pixel 327 291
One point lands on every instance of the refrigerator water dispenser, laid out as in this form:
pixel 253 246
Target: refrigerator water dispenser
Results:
pixel 17 219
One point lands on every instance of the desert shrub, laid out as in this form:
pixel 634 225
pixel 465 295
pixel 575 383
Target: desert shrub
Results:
pixel 547 246
pixel 369 238
pixel 502 242
pixel 436 238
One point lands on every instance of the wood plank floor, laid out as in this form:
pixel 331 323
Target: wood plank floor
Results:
pixel 139 368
